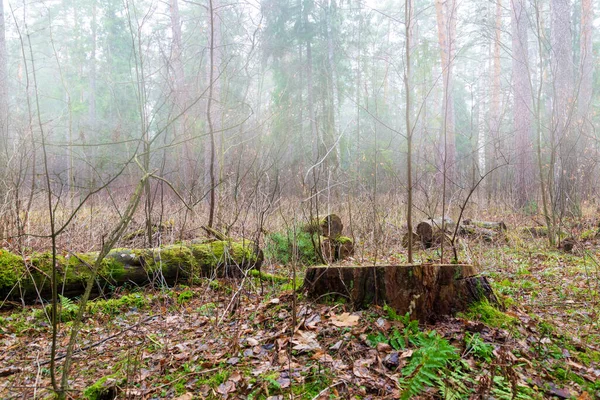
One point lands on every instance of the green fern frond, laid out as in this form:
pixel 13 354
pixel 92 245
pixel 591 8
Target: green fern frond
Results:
pixel 427 364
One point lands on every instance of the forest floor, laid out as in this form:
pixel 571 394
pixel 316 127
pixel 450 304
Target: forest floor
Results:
pixel 258 339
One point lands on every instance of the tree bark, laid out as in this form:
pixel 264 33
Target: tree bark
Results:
pixel 563 106
pixel 523 104
pixel 427 291
pixel 430 231
pixel 24 279
pixel 446 23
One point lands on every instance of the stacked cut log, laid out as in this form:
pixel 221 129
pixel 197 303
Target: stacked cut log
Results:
pixel 28 278
pixel 334 246
pixel 431 232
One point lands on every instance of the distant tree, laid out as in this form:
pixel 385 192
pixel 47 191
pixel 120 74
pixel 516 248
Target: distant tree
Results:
pixel 522 109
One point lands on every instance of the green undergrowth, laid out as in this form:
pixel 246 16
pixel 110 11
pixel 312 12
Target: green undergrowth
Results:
pixel 488 314
pixel 68 308
pixel 436 366
pixel 292 246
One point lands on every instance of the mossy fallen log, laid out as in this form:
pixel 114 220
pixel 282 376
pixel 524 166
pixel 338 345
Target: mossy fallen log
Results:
pixel 26 277
pixel 426 291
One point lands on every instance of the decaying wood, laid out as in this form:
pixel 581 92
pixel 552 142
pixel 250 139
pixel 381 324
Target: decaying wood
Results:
pixel 416 240
pixel 430 231
pixel 330 226
pixel 426 291
pixel 337 249
pixel 24 278
pixel 568 245
pixel 491 225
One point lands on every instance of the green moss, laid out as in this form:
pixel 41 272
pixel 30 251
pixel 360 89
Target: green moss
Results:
pixel 169 256
pixel 280 247
pixel 485 312
pixel 12 269
pixel 104 388
pixel 222 252
pixel 343 240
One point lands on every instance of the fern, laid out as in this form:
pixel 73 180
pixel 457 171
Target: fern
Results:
pixel 427 364
pixel 68 310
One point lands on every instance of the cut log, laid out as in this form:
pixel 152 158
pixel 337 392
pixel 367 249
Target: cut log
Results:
pixel 25 278
pixel 330 226
pixel 431 233
pixel 491 225
pixel 426 291
pixel 416 240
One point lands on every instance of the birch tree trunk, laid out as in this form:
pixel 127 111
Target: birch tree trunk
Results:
pixel 522 104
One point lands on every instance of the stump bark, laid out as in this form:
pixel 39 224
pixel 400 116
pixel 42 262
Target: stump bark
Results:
pixel 426 291
pixel 24 278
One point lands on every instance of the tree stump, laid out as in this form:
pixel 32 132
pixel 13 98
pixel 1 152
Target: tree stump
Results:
pixel 426 291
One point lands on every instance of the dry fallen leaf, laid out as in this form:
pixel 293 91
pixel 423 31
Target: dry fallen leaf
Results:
pixel 185 396
pixel 305 341
pixel 343 320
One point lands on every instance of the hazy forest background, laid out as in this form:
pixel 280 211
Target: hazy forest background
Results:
pixel 253 119
pixel 301 104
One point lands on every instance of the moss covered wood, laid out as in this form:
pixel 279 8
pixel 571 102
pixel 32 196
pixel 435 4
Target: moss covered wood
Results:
pixel 25 277
pixel 426 291
pixel 330 226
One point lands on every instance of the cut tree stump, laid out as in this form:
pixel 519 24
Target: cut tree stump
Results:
pixel 24 278
pixel 426 291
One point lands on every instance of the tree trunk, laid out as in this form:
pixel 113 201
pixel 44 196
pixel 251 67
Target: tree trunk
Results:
pixel 523 104
pixel 426 291
pixel 493 140
pixel 562 110
pixel 446 23
pixel 23 279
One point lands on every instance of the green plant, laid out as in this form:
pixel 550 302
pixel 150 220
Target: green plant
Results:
pixel 292 245
pixel 427 364
pixel 476 345
pixel 185 296
pixel 485 312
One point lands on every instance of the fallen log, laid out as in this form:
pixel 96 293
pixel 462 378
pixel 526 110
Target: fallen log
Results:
pixel 491 225
pixel 426 291
pixel 475 232
pixel 433 231
pixel 24 278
